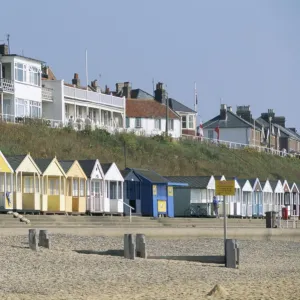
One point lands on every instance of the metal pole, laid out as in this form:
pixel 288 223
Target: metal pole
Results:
pixel 225 223
pixel 270 133
pixel 167 114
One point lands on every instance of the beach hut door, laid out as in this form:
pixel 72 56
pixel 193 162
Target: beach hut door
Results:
pixel 96 194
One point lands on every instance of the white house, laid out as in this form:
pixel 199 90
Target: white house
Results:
pixel 20 86
pixel 77 106
pixel 148 117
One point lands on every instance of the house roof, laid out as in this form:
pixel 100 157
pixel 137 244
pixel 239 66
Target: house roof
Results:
pixel 232 121
pixel 125 172
pixel 192 181
pixel 25 57
pixel 273 184
pixel 105 167
pixel 66 164
pixel 145 108
pixel 177 106
pixel 150 175
pixel 15 161
pixel 140 94
pixel 43 163
pixel 87 166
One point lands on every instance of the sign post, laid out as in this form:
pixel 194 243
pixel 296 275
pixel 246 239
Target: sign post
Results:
pixel 225 188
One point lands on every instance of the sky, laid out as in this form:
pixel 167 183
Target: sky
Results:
pixel 239 52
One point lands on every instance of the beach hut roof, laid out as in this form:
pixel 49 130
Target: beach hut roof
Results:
pixel 15 161
pixel 43 163
pixel 200 182
pixel 150 175
pixel 88 166
pixel 66 164
pixel 105 167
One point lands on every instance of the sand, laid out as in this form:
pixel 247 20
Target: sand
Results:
pixel 90 267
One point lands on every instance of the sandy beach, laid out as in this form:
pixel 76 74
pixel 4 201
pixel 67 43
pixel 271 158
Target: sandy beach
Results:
pixel 79 267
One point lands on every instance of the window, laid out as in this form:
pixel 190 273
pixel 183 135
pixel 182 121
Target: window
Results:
pixel 157 124
pixel 62 185
pixel 28 185
pixel 9 187
pixel 191 122
pixel 75 187
pixel 127 122
pixel 171 124
pixel 120 194
pixel 20 72
pixel 81 187
pixel 138 123
pixel 107 189
pixel 26 108
pixel 34 76
pixel 113 190
pixel 37 184
pixel 210 134
pixel 53 186
pixel 184 122
pixel 88 187
pixel 2 182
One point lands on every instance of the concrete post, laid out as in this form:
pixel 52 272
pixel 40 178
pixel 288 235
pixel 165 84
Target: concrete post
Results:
pixel 32 238
pixel 44 240
pixel 232 254
pixel 141 246
pixel 129 246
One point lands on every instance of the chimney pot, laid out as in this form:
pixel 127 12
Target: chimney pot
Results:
pixel 4 49
pixel 76 80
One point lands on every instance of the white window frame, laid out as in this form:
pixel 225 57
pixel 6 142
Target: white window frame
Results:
pixel 53 186
pixel 28 185
pixel 138 122
pixel 81 187
pixel 34 76
pixel 171 124
pixel 157 124
pixel 20 72
pixel 75 187
pixel 191 122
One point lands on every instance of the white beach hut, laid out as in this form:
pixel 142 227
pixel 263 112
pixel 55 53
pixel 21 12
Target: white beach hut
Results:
pixel 294 200
pixel 246 197
pixel 267 196
pixel 278 193
pixel 257 198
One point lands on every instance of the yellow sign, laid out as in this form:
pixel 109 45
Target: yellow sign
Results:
pixel 225 188
pixel 154 190
pixel 162 206
pixel 170 191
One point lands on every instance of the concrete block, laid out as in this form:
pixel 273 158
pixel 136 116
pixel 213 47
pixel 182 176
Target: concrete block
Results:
pixel 141 246
pixel 32 238
pixel 232 254
pixel 129 246
pixel 44 240
pixel 15 214
pixel 20 216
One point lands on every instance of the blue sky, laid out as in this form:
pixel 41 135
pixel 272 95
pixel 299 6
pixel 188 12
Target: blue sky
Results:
pixel 244 52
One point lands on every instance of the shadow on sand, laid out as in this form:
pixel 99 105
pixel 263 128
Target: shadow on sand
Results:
pixel 108 252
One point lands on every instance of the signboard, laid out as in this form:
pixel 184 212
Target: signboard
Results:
pixel 154 190
pixel 225 188
pixel 162 206
pixel 170 191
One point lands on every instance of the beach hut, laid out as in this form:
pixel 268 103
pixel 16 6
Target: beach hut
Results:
pixel 257 198
pixel 75 187
pixel 53 183
pixel 235 207
pixel 287 196
pixel 278 193
pixel 113 193
pixel 26 196
pixel 6 184
pixel 156 194
pixel 246 197
pixel 267 196
pixel 132 192
pixel 94 185
pixel 196 196
pixel 294 200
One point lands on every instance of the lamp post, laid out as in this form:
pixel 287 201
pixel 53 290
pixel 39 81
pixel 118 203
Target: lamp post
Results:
pixel 270 127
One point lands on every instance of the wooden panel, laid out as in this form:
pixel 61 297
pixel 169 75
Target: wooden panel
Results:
pixel 76 171
pixel 28 201
pixel 53 203
pixel 53 170
pixel 69 203
pixel 4 167
pixel 75 204
pixel 27 166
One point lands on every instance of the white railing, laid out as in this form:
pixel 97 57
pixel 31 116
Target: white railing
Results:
pixel 130 209
pixel 99 98
pixel 7 118
pixel 7 85
pixel 47 94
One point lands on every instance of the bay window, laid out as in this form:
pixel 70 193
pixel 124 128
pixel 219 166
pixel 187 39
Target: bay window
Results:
pixel 188 122
pixel 34 76
pixel 191 122
pixel 20 72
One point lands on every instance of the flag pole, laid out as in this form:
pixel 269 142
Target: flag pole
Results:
pixel 195 97
pixel 254 142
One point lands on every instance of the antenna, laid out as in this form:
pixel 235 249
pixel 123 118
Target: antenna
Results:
pixel 153 86
pixel 7 38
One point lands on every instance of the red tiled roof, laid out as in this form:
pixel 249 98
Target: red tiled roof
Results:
pixel 140 108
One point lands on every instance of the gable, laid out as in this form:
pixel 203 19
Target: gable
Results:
pixel 212 183
pixel 76 171
pixel 54 169
pixel 294 188
pixel 279 187
pixel 28 166
pixel 247 187
pixel 286 187
pixel 113 174
pixel 97 172
pixel 267 187
pixel 131 177
pixel 4 165
pixel 257 186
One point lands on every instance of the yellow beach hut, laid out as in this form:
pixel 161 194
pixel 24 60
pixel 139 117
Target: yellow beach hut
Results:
pixel 75 187
pixel 26 195
pixel 53 183
pixel 6 184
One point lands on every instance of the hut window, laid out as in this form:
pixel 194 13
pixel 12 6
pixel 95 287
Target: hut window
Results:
pixel 53 187
pixel 75 187
pixel 81 187
pixel 120 194
pixel 37 184
pixel 88 187
pixel 113 190
pixel 62 185
pixel 28 185
pixel 8 183
pixel 2 182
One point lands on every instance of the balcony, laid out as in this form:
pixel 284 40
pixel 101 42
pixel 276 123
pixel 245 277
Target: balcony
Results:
pixel 47 94
pixel 94 97
pixel 7 86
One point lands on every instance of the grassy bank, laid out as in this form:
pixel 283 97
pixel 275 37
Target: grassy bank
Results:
pixel 165 157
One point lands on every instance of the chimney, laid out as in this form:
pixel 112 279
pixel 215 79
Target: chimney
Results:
pixel 244 112
pixel 127 90
pixel 4 49
pixel 119 88
pixel 76 80
pixel 223 112
pixel 229 108
pixel 279 120
pixel 270 113
pixel 95 86
pixel 107 90
pixel 160 94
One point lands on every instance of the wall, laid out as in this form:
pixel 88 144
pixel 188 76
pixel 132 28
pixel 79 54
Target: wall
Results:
pixel 255 140
pixel 235 135
pixel 148 125
pixel 54 110
pixel 182 198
